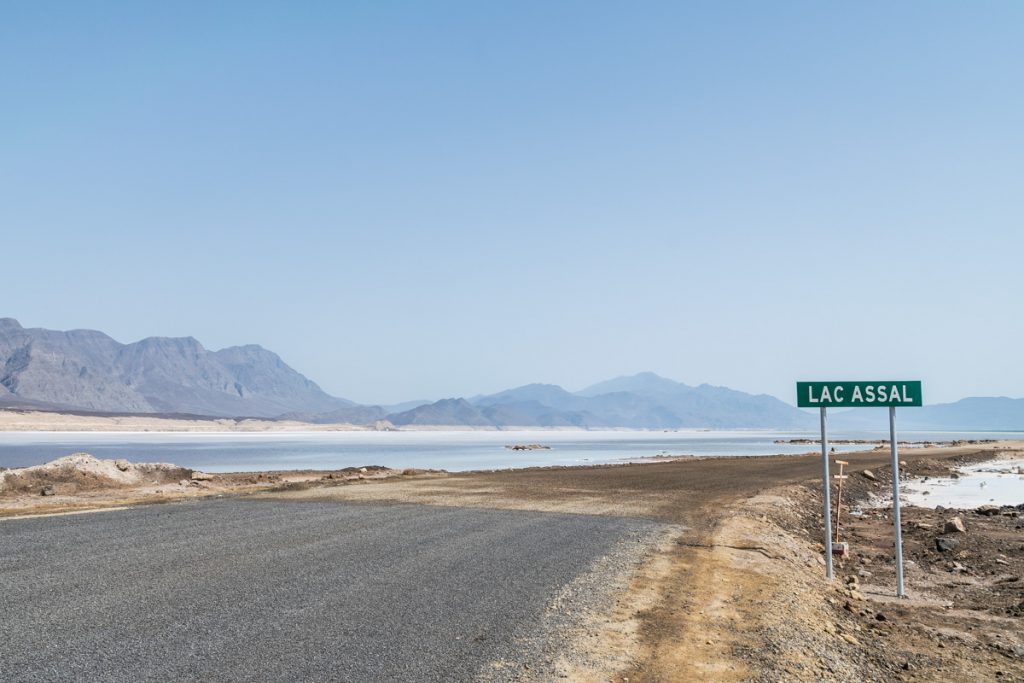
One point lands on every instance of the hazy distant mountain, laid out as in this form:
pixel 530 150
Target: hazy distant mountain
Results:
pixel 404 406
pixel 87 370
pixel 447 412
pixel 968 414
pixel 549 395
pixel 643 383
pixel 644 401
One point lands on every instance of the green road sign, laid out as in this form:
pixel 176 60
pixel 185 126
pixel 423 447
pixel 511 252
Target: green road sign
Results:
pixel 857 394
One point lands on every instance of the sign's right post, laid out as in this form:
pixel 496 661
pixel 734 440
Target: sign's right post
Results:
pixel 896 501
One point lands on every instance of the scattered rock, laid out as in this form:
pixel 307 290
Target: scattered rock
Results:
pixel 868 474
pixel 988 510
pixel 122 465
pixel 954 526
pixel 946 544
pixel 850 639
pixel 202 476
pixel 48 491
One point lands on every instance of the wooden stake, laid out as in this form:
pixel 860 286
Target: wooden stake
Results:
pixel 839 494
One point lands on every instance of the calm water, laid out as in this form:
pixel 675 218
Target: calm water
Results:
pixel 454 451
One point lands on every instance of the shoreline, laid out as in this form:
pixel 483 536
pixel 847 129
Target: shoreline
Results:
pixel 190 483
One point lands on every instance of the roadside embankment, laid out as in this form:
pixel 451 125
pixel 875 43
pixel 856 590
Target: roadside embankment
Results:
pixel 82 482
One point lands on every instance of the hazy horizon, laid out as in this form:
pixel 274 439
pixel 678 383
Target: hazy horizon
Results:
pixel 412 201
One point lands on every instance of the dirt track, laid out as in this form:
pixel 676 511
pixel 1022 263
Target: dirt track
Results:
pixel 683 491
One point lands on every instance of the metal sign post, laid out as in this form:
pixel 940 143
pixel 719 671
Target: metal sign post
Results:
pixel 876 394
pixel 827 495
pixel 896 502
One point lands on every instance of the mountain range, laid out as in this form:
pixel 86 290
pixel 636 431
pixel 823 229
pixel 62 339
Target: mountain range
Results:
pixel 85 370
pixel 90 371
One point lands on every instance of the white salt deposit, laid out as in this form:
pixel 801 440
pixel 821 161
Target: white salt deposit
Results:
pixel 999 482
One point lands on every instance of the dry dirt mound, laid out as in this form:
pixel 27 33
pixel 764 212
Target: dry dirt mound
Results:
pixel 83 472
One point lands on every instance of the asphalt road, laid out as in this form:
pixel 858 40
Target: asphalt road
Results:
pixel 268 590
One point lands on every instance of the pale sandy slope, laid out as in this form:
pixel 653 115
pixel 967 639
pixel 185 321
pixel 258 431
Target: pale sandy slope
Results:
pixel 11 421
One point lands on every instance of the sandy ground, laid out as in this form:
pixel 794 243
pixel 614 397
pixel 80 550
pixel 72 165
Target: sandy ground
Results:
pixel 38 421
pixel 15 420
pixel 737 591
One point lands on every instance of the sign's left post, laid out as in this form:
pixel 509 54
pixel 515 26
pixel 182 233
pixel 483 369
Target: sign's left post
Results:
pixel 827 494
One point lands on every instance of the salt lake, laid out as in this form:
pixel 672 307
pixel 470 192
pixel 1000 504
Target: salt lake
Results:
pixel 450 450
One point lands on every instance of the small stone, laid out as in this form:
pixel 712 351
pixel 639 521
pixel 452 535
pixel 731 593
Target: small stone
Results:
pixel 48 491
pixel 1002 562
pixel 881 617
pixel 868 474
pixel 201 476
pixel 954 525
pixel 122 465
pixel 946 544
pixel 988 510
pixel 850 639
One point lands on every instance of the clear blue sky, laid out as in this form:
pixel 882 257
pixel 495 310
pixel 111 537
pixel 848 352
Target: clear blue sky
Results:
pixel 427 199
